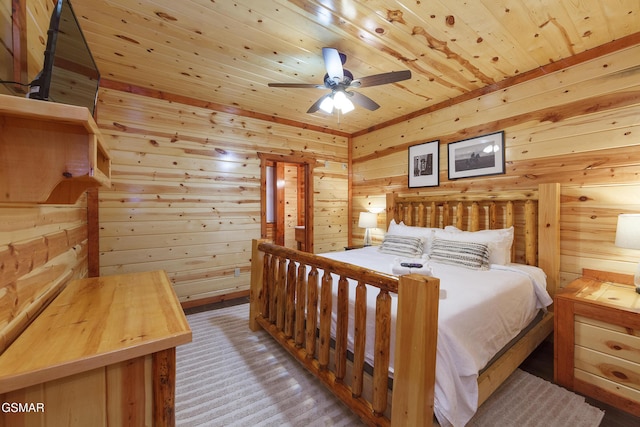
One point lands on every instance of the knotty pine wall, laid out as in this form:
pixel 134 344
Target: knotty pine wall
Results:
pixel 185 193
pixel 42 248
pixel 579 127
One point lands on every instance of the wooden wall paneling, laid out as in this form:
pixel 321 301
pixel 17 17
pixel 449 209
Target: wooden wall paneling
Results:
pixel 577 127
pixel 185 193
pixel 331 208
pixel 589 218
pixel 42 248
pixel 606 75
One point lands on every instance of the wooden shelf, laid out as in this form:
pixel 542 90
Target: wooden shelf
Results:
pixel 49 153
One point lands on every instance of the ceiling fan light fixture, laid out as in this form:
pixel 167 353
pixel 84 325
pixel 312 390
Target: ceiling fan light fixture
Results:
pixel 338 100
pixel 342 103
pixel 327 105
pixel 347 106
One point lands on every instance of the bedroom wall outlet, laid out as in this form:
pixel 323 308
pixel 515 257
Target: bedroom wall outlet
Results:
pixel 236 273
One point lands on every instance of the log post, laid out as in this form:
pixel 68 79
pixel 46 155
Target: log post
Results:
pixel 290 299
pixel 342 328
pixel 312 313
pixel 360 329
pixel 531 233
pixel 255 291
pixel 549 233
pixel 382 351
pixel 301 298
pixel 325 320
pixel 474 224
pixel 415 351
pixel 460 211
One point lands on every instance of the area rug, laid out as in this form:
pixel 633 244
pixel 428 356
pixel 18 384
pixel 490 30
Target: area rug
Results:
pixel 230 376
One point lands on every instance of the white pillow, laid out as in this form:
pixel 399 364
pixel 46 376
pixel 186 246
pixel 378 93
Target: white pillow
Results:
pixel 411 246
pixel 471 255
pixel 401 229
pixel 499 241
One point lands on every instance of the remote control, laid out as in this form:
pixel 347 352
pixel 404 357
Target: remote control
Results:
pixel 410 265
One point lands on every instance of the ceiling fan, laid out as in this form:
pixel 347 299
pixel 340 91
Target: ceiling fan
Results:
pixel 339 79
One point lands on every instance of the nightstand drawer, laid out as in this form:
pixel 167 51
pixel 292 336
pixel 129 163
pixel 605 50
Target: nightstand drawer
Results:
pixel 607 338
pixel 609 367
pixel 607 386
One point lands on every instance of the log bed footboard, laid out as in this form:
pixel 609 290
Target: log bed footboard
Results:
pixel 285 302
pixel 285 285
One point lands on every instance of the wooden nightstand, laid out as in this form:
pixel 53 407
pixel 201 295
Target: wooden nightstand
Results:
pixel 597 339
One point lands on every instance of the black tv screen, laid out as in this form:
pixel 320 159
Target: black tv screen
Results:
pixel 69 74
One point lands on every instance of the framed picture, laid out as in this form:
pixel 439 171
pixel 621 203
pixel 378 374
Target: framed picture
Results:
pixel 424 164
pixel 482 155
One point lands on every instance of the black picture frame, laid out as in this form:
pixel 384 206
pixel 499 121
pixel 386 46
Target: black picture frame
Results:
pixel 479 156
pixel 424 164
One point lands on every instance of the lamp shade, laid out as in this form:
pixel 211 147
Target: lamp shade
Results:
pixel 628 231
pixel 368 220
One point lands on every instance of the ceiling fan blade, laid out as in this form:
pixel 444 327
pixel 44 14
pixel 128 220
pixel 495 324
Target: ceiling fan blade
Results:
pixel 316 105
pixel 297 85
pixel 381 79
pixel 333 64
pixel 363 101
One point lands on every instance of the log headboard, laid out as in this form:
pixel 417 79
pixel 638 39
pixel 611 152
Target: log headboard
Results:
pixel 534 214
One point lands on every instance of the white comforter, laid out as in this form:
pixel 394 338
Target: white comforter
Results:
pixel 481 311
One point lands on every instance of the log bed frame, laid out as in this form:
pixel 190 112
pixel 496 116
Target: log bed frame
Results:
pixel 286 284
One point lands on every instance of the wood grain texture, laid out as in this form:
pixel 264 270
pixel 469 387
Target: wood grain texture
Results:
pixel 41 250
pixel 87 326
pixel 413 402
pixel 415 335
pixel 450 50
pixel 596 341
pixel 186 191
pixel 575 128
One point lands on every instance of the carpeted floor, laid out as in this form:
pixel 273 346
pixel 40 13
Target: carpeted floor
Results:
pixel 230 376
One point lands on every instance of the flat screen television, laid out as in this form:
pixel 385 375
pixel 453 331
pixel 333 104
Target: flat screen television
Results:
pixel 69 74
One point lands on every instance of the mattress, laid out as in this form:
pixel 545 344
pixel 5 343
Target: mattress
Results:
pixel 480 311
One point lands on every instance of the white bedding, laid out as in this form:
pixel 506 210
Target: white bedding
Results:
pixel 481 311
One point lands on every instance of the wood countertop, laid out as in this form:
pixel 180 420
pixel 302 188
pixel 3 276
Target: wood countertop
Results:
pixel 93 323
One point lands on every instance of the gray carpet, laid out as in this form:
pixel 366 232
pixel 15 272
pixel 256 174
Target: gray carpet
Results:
pixel 229 376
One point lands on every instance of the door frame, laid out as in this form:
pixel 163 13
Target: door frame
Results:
pixel 307 169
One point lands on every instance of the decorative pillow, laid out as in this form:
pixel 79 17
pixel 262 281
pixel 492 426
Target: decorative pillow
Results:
pixel 408 230
pixel 499 241
pixel 463 254
pixel 402 245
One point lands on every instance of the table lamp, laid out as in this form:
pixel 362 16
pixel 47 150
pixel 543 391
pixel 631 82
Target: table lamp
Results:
pixel 628 236
pixel 367 221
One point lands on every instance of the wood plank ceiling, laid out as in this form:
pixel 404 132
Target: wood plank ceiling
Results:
pixel 227 51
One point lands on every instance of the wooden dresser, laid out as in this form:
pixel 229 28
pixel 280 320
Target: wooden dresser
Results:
pixel 597 339
pixel 101 354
